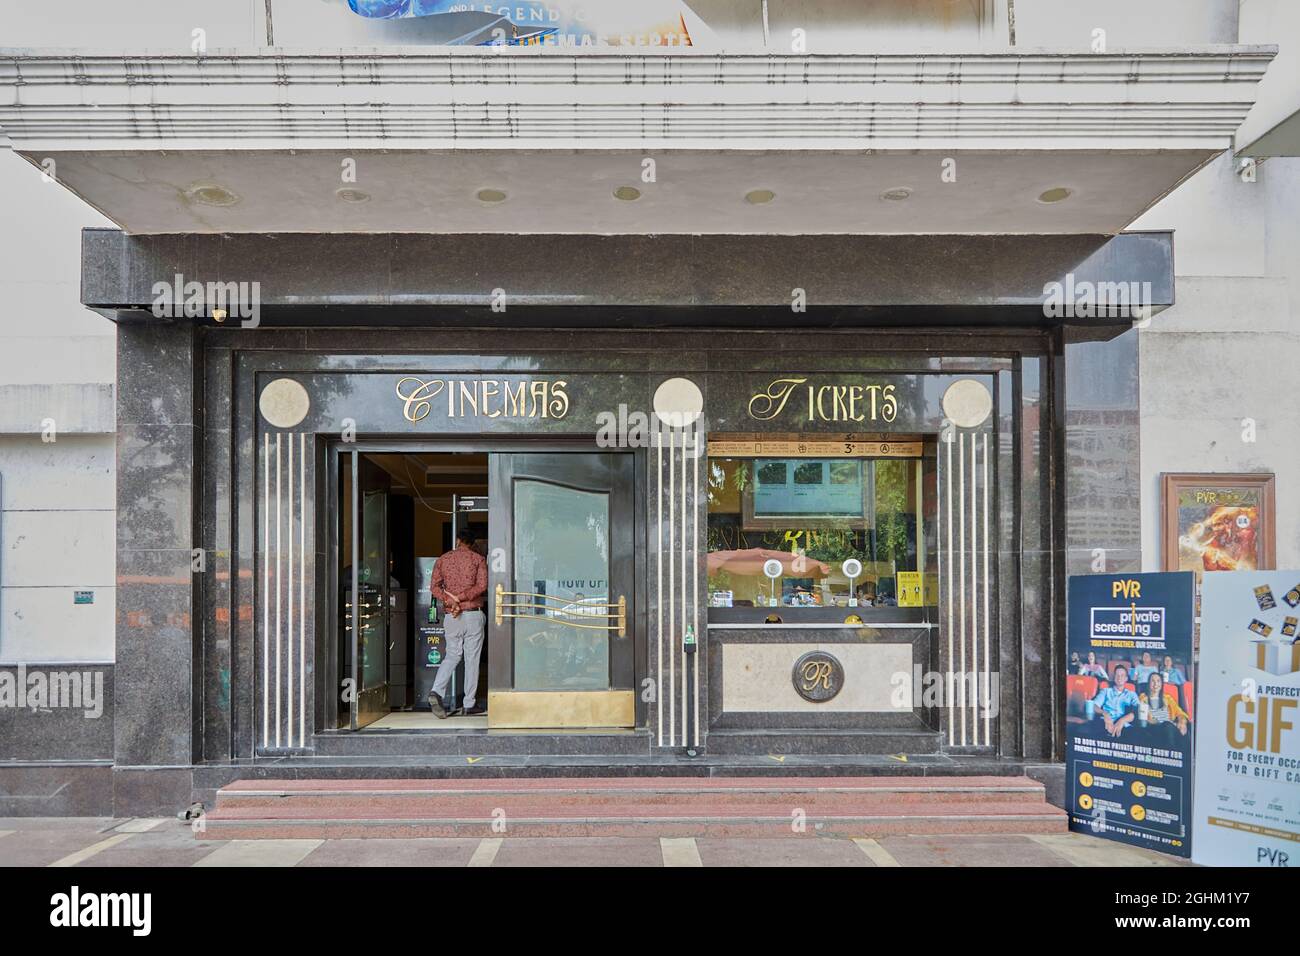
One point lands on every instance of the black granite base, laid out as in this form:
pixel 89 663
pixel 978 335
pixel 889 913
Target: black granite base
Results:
pixel 56 789
pixel 478 743
pixel 828 742
pixel 151 791
pixel 1051 776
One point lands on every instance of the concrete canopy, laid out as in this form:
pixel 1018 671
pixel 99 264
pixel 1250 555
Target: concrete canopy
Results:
pixel 461 141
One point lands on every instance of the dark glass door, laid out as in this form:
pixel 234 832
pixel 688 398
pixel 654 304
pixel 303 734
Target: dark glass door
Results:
pixel 560 577
pixel 367 590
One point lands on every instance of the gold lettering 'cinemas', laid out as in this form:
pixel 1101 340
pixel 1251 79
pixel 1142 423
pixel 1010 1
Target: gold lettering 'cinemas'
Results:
pixel 826 403
pixel 482 398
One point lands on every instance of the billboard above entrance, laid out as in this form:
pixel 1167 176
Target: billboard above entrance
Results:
pixel 549 23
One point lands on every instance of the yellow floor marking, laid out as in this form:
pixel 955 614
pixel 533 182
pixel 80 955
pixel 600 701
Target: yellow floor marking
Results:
pixel 877 853
pixel 485 852
pixel 680 851
pixel 72 859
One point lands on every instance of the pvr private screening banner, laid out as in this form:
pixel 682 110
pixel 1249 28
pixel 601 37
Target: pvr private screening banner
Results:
pixel 1129 708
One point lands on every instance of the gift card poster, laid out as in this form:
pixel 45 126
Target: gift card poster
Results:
pixel 1129 721
pixel 1248 698
pixel 550 23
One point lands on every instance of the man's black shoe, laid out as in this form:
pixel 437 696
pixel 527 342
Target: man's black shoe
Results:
pixel 435 705
pixel 478 710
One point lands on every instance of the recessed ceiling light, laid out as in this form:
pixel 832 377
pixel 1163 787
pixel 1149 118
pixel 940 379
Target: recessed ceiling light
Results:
pixel 491 195
pixel 897 194
pixel 758 197
pixel 1055 194
pixel 348 194
pixel 627 193
pixel 210 194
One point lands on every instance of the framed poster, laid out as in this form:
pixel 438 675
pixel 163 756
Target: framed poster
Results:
pixel 1218 522
pixel 1130 714
pixel 1248 701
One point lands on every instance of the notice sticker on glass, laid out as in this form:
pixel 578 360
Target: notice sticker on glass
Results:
pixel 910 589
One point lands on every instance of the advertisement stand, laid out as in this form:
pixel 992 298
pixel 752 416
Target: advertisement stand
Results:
pixel 1129 708
pixel 1248 758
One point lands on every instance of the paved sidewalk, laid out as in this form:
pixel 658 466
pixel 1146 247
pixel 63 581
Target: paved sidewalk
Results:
pixel 83 841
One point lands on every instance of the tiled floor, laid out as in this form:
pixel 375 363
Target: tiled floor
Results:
pixel 103 842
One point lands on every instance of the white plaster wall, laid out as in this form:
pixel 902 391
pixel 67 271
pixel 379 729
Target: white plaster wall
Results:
pixel 1069 24
pixel 132 24
pixel 57 362
pixel 1278 95
pixel 1229 350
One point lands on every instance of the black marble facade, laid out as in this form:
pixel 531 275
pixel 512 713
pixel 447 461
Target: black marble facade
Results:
pixel 185 682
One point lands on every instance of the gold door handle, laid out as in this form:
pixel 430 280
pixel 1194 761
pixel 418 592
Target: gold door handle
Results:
pixel 557 610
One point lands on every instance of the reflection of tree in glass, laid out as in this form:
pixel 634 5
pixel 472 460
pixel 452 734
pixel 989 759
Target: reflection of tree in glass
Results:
pixel 845 472
pixel 891 511
pixel 722 470
pixel 833 545
pixel 741 477
pixel 808 473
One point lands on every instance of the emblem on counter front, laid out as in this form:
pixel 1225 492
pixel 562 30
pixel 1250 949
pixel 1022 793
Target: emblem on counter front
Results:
pixel 825 403
pixel 483 398
pixel 817 677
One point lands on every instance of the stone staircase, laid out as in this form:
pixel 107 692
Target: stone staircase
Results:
pixel 626 806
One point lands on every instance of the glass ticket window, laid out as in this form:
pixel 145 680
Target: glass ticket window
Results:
pixel 806 522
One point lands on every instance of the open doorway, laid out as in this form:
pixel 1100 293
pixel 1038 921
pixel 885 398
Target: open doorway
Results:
pixel 408 511
pixel 554 530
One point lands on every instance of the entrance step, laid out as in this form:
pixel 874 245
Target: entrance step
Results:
pixel 381 743
pixel 625 806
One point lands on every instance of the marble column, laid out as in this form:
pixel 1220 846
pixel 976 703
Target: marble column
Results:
pixel 157 720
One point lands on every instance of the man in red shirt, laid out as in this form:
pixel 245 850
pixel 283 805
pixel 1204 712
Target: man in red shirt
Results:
pixel 460 581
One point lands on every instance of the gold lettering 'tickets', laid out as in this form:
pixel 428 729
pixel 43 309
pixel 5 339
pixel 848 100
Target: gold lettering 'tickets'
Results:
pixel 827 403
pixel 765 406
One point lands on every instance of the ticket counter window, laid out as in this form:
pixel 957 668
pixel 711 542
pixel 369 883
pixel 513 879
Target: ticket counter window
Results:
pixel 830 526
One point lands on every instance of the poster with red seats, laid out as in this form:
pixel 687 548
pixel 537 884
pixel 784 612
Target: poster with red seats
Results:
pixel 1129 711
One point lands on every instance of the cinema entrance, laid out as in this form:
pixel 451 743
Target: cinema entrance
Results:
pixel 555 529
pixel 715 543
